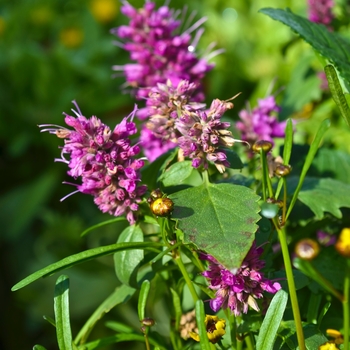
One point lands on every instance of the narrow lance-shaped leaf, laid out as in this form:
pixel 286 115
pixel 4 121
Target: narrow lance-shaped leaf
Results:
pixel 202 330
pixel 61 307
pixel 337 93
pixel 84 256
pixel 107 222
pixel 272 321
pixel 309 158
pixel 143 298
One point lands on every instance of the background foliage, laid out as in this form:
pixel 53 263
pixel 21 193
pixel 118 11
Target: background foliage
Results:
pixel 55 51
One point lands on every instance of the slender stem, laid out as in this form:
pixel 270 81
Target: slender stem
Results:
pixel 291 285
pixel 248 341
pixel 186 277
pixel 284 200
pixel 263 178
pixel 146 340
pixel 233 327
pixel 346 310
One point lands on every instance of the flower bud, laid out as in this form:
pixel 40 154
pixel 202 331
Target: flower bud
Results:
pixel 283 170
pixel 162 206
pixel 266 146
pixel 307 249
pixel 148 322
pixel 343 243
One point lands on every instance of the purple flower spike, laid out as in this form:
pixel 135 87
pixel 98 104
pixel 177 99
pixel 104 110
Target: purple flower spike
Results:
pixel 320 11
pixel 238 290
pixel 159 51
pixel 260 123
pixel 104 160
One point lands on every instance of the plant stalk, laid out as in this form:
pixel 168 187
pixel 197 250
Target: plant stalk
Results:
pixel 346 309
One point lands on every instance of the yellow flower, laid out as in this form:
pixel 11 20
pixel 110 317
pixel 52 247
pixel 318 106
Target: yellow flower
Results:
pixel 104 10
pixel 343 243
pixel 71 37
pixel 215 329
pixel 328 346
pixel 338 337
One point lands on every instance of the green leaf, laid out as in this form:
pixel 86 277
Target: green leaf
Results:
pixel 332 163
pixel 84 256
pixel 50 320
pixel 202 330
pixel 309 158
pixel 233 159
pixel 337 93
pixel 219 219
pixel 329 44
pixel 38 347
pixel 120 295
pixel 272 321
pixel 61 307
pixel 107 222
pixel 177 307
pixel 176 173
pixel 126 262
pixel 143 299
pixel 325 195
pixel 313 337
pixel 119 327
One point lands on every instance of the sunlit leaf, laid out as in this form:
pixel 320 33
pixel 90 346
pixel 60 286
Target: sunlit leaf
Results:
pixel 219 219
pixel 176 173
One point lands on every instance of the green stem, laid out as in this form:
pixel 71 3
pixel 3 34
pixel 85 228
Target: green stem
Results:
pixel 186 277
pixel 291 285
pixel 146 340
pixel 284 200
pixel 346 310
pixel 248 341
pixel 263 179
pixel 233 327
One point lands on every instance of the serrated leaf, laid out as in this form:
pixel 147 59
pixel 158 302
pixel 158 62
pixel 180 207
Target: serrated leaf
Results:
pixel 84 256
pixel 272 321
pixel 219 219
pixel 329 44
pixel 61 307
pixel 325 195
pixel 176 173
pixel 126 262
pixel 120 295
pixel 337 93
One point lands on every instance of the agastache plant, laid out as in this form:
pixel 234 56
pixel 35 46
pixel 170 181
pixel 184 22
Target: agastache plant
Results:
pixel 196 222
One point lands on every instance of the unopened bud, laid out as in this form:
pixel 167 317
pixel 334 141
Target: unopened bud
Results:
pixel 307 249
pixel 283 170
pixel 343 243
pixel 162 206
pixel 266 146
pixel 148 322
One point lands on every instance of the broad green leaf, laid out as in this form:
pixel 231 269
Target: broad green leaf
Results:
pixel 145 286
pixel 176 173
pixel 313 337
pixel 233 159
pixel 202 330
pixel 118 338
pixel 329 44
pixel 337 93
pixel 325 195
pixel 85 256
pixel 272 321
pixel 126 262
pixel 332 163
pixel 107 222
pixel 308 161
pixel 61 307
pixel 120 295
pixel 219 219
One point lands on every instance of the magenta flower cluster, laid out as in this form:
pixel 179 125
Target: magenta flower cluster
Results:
pixel 104 160
pixel 320 11
pixel 237 291
pixel 261 123
pixel 158 50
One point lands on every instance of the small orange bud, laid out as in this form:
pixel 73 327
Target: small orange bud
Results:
pixel 343 243
pixel 162 206
pixel 307 249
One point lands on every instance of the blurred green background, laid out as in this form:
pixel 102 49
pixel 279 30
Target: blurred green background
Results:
pixel 55 51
